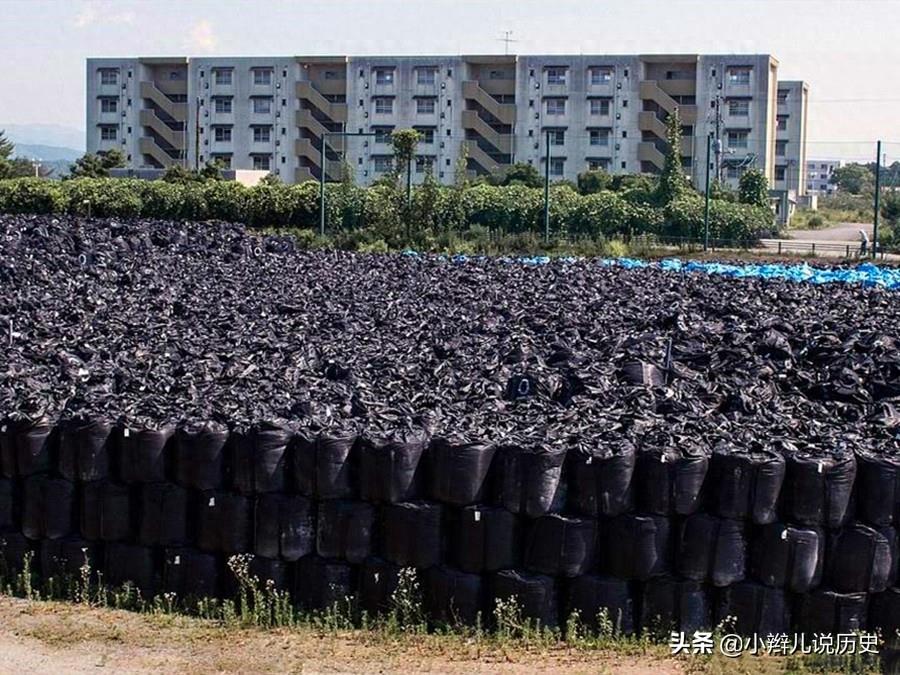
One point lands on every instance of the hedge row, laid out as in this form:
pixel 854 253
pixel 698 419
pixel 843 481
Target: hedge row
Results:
pixel 509 209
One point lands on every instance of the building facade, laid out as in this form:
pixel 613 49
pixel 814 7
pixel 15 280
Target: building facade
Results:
pixel 279 113
pixel 818 176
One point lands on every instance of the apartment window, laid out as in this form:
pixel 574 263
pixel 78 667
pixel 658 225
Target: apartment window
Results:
pixel 383 164
pixel 109 76
pixel 594 164
pixel 383 135
pixel 384 106
pixel 262 134
pixel 109 132
pixel 734 171
pixel 782 95
pixel 222 134
pixel 599 136
pixel 739 107
pixel 739 75
pixel 262 76
pixel 556 106
pixel 109 105
pixel 426 76
pixel 780 148
pixel 262 104
pixel 782 122
pixel 557 136
pixel 427 135
pixel 424 162
pixel 599 106
pixel 779 172
pixel 600 76
pixel 262 162
pixel 222 104
pixel 425 106
pixel 222 76
pixel 384 76
pixel 223 161
pixel 331 75
pixel 557 166
pixel 556 75
pixel 738 140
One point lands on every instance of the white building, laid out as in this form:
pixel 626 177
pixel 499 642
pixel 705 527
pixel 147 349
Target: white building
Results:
pixel 272 113
pixel 818 176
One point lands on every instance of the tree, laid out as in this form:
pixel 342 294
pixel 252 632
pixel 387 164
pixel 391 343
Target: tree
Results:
pixel 673 184
pixel 854 178
pixel 212 170
pixel 270 179
pixel 6 150
pixel 405 142
pixel 520 173
pixel 178 174
pixel 722 191
pixel 97 166
pixel 593 181
pixel 753 189
pixel 890 208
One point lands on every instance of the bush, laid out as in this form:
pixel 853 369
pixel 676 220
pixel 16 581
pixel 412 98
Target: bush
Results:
pixel 31 195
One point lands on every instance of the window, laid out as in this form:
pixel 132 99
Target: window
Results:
pixel 262 134
pixel 599 106
pixel 383 135
pixel 425 106
pixel 383 164
pixel 262 105
pixel 600 76
pixel 109 76
pixel 427 135
pixel 557 166
pixel 384 106
pixel 426 76
pixel 557 136
pixel 109 132
pixel 782 122
pixel 780 148
pixel 222 134
pixel 222 76
pixel 738 139
pixel 556 75
pixel 779 172
pixel 262 76
pixel 109 105
pixel 739 107
pixel 556 106
pixel 594 164
pixel 262 162
pixel 782 95
pixel 331 75
pixel 734 171
pixel 424 162
pixel 384 76
pixel 599 136
pixel 222 104
pixel 739 75
pixel 223 161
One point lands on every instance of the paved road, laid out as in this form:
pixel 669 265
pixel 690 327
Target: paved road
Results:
pixel 844 232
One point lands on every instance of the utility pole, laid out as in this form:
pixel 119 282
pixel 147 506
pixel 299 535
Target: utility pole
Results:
pixel 547 192
pixel 506 39
pixel 877 201
pixel 718 137
pixel 706 206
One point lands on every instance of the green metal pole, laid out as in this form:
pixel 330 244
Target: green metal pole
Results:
pixel 322 187
pixel 547 193
pixel 877 201
pixel 408 196
pixel 706 208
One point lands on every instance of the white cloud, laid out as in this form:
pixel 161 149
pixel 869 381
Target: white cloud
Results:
pixel 97 14
pixel 201 37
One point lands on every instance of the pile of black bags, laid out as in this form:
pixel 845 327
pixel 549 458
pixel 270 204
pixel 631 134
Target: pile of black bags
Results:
pixel 645 448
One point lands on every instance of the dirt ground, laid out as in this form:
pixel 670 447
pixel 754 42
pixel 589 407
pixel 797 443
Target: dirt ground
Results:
pixel 52 637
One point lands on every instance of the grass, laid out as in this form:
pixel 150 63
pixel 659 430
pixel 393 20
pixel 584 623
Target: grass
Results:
pixel 401 638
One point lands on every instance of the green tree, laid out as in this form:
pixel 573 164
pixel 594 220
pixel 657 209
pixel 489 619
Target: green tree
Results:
pixel 6 146
pixel 753 189
pixel 593 181
pixel 722 191
pixel 890 208
pixel 97 166
pixel 673 184
pixel 854 178
pixel 404 143
pixel 212 170
pixel 520 173
pixel 270 179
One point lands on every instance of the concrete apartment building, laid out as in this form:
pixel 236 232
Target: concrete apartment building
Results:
pixel 271 113
pixel 818 176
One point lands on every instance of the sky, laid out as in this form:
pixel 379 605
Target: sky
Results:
pixel 847 50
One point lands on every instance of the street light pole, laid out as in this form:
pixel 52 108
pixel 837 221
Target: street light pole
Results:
pixel 547 192
pixel 877 201
pixel 706 207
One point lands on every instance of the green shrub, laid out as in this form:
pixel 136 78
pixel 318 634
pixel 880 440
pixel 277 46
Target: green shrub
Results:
pixel 105 197
pixel 31 195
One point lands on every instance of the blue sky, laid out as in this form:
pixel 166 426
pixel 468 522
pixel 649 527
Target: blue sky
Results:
pixel 848 50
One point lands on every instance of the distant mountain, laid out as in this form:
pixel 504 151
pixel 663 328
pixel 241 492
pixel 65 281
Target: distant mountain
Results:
pixel 47 153
pixel 53 135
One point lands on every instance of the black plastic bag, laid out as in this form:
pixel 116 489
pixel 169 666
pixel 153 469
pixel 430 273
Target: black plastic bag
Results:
pixel 485 539
pixel 560 545
pixel 535 595
pixel 672 604
pixel 412 534
pixel 711 549
pixel 324 584
pixel 285 526
pixel 344 530
pixel 669 480
pixel 877 488
pixel 36 447
pixel 754 609
pixel 788 557
pixel 452 597
pixel 460 470
pixel 259 458
pixel 884 613
pixel 530 480
pixel 200 456
pixel 69 557
pixel 746 484
pixel 636 547
pixel 131 563
pixel 163 515
pixel 599 598
pixel 225 522
pixel 84 449
pixel 827 612
pixel 378 580
pixel 861 559
pixel 818 486
pixel 144 453
pixel 9 505
pixel 106 513
pixel 600 479
pixel 49 508
pixel 191 574
pixel 392 467
pixel 14 546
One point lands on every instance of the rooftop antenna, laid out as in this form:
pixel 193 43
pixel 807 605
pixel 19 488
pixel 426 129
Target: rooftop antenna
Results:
pixel 506 39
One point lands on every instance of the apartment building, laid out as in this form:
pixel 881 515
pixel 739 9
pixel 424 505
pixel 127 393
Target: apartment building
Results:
pixel 278 113
pixel 790 141
pixel 818 176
